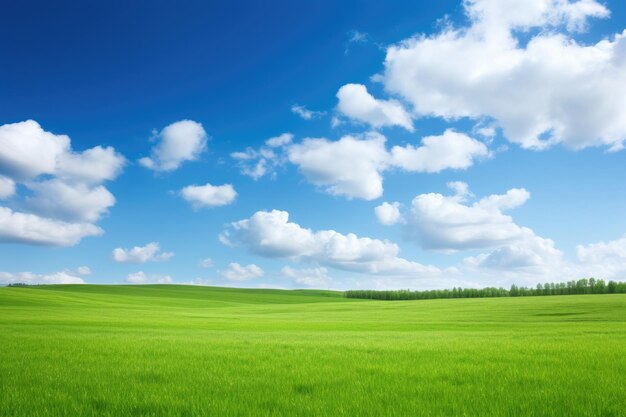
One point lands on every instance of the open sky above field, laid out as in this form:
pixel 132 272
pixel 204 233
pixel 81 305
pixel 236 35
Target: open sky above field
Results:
pixel 353 144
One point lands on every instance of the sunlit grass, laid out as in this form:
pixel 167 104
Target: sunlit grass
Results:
pixel 188 351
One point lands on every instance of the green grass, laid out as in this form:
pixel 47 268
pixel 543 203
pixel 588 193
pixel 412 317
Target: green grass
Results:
pixel 192 351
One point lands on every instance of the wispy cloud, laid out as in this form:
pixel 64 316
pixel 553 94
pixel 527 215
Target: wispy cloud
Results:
pixel 305 113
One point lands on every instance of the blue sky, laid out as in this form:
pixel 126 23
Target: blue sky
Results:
pixel 417 145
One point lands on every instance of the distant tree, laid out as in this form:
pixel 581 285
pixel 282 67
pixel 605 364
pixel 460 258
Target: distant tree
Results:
pixel 611 287
pixel 582 286
pixel 599 287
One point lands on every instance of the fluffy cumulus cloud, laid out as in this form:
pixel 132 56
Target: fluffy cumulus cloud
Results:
pixel 531 259
pixel 17 227
pixel 388 213
pixel 209 195
pixel 63 192
pixel 62 277
pixel 272 235
pixel 529 252
pixel 91 166
pixel 236 272
pixel 603 259
pixel 452 150
pixel 308 277
pixel 603 251
pixel 450 223
pixel 142 278
pixel 353 165
pixel 523 68
pixel 256 163
pixel 349 167
pixel 177 143
pixel 70 202
pixel 534 259
pixel 356 103
pixel 28 151
pixel 447 223
pixel 141 254
pixel 502 252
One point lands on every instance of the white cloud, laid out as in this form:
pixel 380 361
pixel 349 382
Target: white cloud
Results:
pixel 236 272
pixel 488 132
pixel 353 166
pixel 141 254
pixel 136 278
pixel 451 224
pixel 16 227
pixel 209 195
pixel 546 90
pixel 206 263
pixel 94 165
pixel 350 166
pixel 513 198
pixel 28 151
pixel 257 163
pixel 452 150
pixel 502 16
pixel 70 202
pixel 64 196
pixel 141 278
pixel 460 188
pixel 358 104
pixel 445 223
pixel 305 113
pixel 280 140
pixel 253 163
pixel 62 277
pixel 534 259
pixel 270 234
pixel 310 277
pixel 7 187
pixel 388 213
pixel 179 142
pixel 603 251
pixel 83 270
pixel 603 259
pixel 527 252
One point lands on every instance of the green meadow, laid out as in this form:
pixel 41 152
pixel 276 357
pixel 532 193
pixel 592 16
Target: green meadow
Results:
pixel 89 350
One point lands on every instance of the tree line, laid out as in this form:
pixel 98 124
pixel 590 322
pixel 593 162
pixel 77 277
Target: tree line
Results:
pixel 581 286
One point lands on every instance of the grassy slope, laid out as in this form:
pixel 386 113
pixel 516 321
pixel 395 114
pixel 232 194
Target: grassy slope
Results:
pixel 183 351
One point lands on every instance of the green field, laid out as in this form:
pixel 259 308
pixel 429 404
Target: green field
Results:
pixel 89 350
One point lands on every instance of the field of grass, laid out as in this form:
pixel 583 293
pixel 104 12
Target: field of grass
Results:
pixel 88 350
